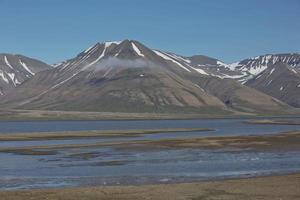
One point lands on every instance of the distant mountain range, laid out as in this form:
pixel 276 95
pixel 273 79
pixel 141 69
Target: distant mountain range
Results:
pixel 254 66
pixel 127 76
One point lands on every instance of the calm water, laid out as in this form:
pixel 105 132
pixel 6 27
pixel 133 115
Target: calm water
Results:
pixel 223 126
pixel 109 166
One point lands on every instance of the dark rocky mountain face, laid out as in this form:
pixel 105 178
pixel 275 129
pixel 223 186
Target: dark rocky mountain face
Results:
pixel 127 76
pixel 280 81
pixel 15 69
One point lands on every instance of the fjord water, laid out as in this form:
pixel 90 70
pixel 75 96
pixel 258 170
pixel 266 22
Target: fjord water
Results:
pixel 110 166
pixel 221 126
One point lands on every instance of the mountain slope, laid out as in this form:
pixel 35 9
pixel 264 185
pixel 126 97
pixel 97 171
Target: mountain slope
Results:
pixel 280 81
pixel 15 69
pixel 258 73
pixel 127 76
pixel 115 76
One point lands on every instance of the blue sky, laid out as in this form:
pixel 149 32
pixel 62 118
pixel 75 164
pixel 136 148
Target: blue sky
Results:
pixel 55 30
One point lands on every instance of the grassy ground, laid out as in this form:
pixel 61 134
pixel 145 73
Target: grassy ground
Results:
pixel 47 115
pixel 19 115
pixel 92 134
pixel 285 187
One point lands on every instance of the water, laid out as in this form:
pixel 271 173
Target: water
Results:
pixel 112 166
pixel 24 172
pixel 223 126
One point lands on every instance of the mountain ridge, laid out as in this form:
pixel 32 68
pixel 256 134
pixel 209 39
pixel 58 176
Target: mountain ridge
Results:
pixel 127 76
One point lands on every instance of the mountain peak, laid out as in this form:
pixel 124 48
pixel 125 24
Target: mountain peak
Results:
pixel 116 42
pixel 15 69
pixel 125 49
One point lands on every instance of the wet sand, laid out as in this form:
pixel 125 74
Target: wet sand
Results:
pixel 274 121
pixel 285 187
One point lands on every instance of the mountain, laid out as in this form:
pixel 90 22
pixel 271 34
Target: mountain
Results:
pixel 213 67
pixel 127 76
pixel 115 76
pixel 258 73
pixel 251 67
pixel 244 70
pixel 281 81
pixel 15 69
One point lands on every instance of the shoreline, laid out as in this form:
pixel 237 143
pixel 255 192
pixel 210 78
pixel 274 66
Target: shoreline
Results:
pixel 52 115
pixel 263 187
pixel 292 121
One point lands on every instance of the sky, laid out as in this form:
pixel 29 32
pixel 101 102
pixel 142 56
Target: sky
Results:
pixel 230 30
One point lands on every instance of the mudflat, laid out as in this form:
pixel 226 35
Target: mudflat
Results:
pixel 294 121
pixel 282 141
pixel 285 187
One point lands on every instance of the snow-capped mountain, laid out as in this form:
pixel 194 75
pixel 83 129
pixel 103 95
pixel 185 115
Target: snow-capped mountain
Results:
pixel 14 69
pixel 213 67
pixel 251 67
pixel 281 81
pixel 127 76
pixel 126 50
pixel 276 75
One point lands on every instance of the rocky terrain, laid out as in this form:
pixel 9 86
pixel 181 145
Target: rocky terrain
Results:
pixel 15 69
pixel 127 76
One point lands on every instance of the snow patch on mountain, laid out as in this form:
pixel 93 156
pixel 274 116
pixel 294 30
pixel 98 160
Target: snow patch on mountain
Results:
pixel 199 87
pixel 166 57
pixel 112 42
pixel 269 82
pixel 256 70
pixel 201 71
pixel 3 77
pixel 88 49
pixel 233 66
pixel 26 67
pixel 181 58
pixel 7 63
pixel 281 88
pixel 106 45
pixel 222 64
pixel 12 77
pixel 293 70
pixel 137 50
